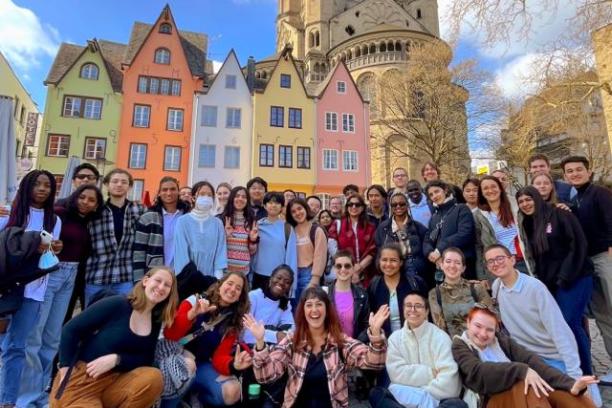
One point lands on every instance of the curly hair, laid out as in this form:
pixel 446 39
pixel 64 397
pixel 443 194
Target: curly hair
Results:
pixel 237 309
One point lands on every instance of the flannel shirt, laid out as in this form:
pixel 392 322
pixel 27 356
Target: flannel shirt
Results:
pixel 270 364
pixel 111 261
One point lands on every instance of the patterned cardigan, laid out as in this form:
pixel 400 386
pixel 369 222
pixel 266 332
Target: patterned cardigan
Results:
pixel 270 364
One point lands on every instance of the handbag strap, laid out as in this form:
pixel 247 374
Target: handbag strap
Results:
pixel 205 327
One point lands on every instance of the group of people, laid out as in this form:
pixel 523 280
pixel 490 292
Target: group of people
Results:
pixel 422 296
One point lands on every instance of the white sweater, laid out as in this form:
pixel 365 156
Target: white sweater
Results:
pixel 422 358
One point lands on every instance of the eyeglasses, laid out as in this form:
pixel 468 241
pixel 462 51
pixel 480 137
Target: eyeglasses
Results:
pixel 416 307
pixel 498 260
pixel 354 205
pixel 398 205
pixel 345 266
pixel 399 175
pixel 90 177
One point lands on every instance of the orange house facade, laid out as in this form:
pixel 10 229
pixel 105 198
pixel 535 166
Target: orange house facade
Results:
pixel 162 69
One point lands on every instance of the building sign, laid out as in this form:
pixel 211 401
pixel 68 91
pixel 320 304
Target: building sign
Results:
pixel 482 169
pixel 31 127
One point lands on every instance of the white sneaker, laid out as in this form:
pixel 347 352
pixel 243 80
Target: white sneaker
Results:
pixel 593 391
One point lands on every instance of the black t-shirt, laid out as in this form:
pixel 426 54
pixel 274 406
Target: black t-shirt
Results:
pixel 315 390
pixel 118 217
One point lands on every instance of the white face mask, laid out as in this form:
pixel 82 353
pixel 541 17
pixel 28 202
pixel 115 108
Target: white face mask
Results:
pixel 204 203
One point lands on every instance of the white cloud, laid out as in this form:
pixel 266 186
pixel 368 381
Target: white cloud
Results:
pixel 513 77
pixel 216 65
pixel 25 39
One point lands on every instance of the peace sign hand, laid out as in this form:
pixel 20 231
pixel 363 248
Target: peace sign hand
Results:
pixel 242 359
pixel 201 306
pixel 377 320
pixel 228 226
pixel 253 233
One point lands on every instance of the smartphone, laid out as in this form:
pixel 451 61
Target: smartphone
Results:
pixel 45 238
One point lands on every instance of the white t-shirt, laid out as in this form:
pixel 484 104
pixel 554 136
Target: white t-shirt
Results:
pixel 36 290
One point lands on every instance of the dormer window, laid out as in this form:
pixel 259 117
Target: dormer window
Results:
pixel 89 71
pixel 165 28
pixel 162 56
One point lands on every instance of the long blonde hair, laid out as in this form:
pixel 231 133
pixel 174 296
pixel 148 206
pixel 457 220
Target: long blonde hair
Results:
pixel 166 309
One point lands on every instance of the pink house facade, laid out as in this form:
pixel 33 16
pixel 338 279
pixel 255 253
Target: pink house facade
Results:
pixel 343 145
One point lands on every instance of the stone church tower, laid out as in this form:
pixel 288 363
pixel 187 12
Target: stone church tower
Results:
pixel 372 37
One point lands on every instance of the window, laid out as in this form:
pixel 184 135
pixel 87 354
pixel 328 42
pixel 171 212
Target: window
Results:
pixel 138 156
pixel 230 81
pixel 330 159
pixel 266 155
pixel 232 118
pixel 162 56
pixel 303 157
pixel 89 71
pixel 142 84
pixel 175 120
pixel 93 109
pixel 285 156
pixel 231 157
pixel 95 148
pixel 341 87
pixel 285 81
pixel 164 89
pixel 59 179
pixel 348 122
pixel 81 107
pixel 142 114
pixel 207 156
pixel 349 160
pixel 165 28
pixel 22 115
pixel 209 116
pixel 176 87
pixel 172 158
pixel 154 85
pixel 331 121
pixel 277 116
pixel 16 109
pixel 58 145
pixel 295 118
pixel 135 193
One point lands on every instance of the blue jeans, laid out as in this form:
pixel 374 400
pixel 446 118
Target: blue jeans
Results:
pixel 14 349
pixel 303 280
pixel 122 288
pixel 209 386
pixel 573 302
pixel 43 342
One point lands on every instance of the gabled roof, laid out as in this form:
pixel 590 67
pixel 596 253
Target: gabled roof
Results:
pixel 322 87
pixel 69 54
pixel 286 54
pixel 214 78
pixel 194 44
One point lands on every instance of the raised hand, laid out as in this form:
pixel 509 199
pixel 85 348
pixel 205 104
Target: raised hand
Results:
pixel 228 227
pixel 378 319
pixel 582 382
pixel 242 359
pixel 255 327
pixel 201 306
pixel 533 380
pixel 253 233
pixel 102 365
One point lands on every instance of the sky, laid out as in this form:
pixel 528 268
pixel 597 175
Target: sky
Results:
pixel 32 30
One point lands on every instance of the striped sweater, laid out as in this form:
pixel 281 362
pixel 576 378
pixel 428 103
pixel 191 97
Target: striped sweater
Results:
pixel 238 253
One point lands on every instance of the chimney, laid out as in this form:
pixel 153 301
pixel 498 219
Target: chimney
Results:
pixel 251 73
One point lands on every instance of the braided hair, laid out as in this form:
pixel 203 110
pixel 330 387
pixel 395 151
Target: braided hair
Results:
pixel 20 209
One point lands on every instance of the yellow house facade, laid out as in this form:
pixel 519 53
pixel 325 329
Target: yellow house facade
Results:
pixel 284 130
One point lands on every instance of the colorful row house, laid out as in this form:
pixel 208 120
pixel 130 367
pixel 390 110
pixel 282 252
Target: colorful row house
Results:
pixel 128 106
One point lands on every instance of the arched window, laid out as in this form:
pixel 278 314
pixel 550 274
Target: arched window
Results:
pixel 311 40
pixel 364 50
pixel 390 46
pixel 317 39
pixel 419 14
pixel 165 28
pixel 89 71
pixel 398 46
pixel 264 75
pixel 383 47
pixel 162 56
pixel 372 48
pixel 357 52
pixel 349 55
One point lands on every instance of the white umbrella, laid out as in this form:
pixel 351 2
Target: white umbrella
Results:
pixel 66 189
pixel 8 147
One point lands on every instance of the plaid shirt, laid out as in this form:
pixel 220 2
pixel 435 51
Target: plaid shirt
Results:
pixel 270 364
pixel 111 261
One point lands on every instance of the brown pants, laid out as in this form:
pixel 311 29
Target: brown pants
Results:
pixel 515 398
pixel 139 388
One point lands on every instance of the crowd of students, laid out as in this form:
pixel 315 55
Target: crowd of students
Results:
pixel 420 296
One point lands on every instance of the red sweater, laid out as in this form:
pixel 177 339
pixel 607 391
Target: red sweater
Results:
pixel 366 244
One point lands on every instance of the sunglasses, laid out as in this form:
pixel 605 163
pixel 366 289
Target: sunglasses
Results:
pixel 398 205
pixel 354 205
pixel 89 177
pixel 345 266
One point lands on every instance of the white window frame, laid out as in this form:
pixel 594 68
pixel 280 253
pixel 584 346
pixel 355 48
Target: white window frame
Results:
pixel 233 118
pixel 214 156
pixel 138 153
pixel 162 56
pixel 172 158
pixel 137 190
pixel 227 151
pixel 350 160
pixel 331 121
pixel 62 140
pixel 330 155
pixel 348 123
pixel 231 81
pixel 175 119
pixel 98 144
pixel 92 109
pixel 90 71
pixel 341 87
pixel 74 110
pixel 139 116
pixel 209 116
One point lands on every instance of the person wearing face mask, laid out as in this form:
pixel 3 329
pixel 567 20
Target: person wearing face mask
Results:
pixel 200 248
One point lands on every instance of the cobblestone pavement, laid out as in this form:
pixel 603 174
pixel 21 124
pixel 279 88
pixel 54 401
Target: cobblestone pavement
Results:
pixel 601 363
